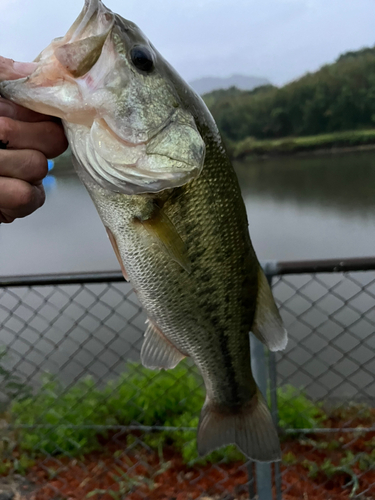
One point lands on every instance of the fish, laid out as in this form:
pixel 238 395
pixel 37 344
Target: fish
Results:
pixel 152 159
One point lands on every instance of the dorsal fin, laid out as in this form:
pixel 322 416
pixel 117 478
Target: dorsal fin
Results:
pixel 268 325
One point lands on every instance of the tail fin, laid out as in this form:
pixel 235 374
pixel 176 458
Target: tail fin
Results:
pixel 251 429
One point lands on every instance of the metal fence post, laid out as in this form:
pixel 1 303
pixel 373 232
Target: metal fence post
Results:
pixel 275 416
pixel 270 270
pixel 258 364
pixel 250 475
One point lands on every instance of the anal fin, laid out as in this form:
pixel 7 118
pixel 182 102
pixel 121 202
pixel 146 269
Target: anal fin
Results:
pixel 268 325
pixel 157 352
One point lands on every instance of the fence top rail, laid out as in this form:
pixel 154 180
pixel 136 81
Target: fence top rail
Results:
pixel 61 279
pixel 271 268
pixel 276 268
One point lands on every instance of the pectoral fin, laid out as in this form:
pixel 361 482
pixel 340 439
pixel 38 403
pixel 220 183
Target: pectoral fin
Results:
pixel 163 231
pixel 268 325
pixel 157 352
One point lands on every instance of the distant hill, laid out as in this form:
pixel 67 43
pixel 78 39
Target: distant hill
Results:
pixel 242 82
pixel 336 98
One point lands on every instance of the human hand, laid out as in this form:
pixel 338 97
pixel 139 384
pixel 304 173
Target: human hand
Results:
pixel 27 139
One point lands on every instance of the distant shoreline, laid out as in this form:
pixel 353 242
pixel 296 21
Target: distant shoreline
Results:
pixel 339 142
pixel 315 152
pixel 301 146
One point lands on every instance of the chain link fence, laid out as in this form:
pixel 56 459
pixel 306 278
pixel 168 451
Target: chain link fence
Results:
pixel 80 418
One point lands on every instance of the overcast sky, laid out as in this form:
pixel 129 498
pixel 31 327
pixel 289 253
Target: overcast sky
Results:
pixel 276 39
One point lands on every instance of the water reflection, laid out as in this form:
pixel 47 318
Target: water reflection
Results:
pixel 298 208
pixel 311 208
pixel 65 235
pixel 344 183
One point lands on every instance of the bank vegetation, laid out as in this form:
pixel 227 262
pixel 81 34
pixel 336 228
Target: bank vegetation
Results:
pixel 333 107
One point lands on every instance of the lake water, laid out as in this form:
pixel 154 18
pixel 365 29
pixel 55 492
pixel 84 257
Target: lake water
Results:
pixel 298 208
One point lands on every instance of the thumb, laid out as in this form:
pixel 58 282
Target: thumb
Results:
pixel 12 70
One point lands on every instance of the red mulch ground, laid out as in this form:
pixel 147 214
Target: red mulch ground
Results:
pixel 75 479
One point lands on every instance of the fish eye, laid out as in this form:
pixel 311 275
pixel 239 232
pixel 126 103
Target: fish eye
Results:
pixel 142 58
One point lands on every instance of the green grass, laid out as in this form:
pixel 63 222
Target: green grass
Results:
pixel 296 410
pixel 63 420
pixel 290 145
pixel 328 469
pixel 69 421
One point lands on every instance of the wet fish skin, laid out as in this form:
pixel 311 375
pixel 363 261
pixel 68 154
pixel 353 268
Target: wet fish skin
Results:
pixel 173 211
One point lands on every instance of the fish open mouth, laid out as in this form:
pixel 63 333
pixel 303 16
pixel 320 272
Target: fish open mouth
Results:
pixel 127 139
pixel 54 81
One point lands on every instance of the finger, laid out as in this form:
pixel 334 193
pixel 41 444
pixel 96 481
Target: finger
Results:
pixel 11 70
pixel 47 137
pixel 12 110
pixel 24 164
pixel 19 198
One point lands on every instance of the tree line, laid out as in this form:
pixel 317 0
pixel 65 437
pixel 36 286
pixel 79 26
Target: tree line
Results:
pixel 338 97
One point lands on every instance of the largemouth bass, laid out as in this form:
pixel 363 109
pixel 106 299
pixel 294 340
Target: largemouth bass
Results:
pixel 151 157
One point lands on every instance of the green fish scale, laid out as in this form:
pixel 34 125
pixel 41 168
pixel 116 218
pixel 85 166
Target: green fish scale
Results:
pixel 209 312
